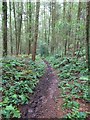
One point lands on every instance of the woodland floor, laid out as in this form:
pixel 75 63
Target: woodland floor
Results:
pixel 46 101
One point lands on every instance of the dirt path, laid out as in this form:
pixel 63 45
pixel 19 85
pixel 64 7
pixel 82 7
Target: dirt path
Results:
pixel 44 102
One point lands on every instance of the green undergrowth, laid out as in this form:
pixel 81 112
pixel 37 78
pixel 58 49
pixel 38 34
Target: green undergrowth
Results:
pixel 19 78
pixel 73 82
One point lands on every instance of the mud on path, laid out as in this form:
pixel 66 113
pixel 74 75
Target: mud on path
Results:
pixel 44 102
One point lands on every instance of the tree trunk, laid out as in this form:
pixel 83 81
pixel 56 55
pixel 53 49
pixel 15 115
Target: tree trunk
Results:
pixel 49 32
pixel 64 14
pixel 64 5
pixel 15 27
pixel 53 26
pixel 19 26
pixel 49 27
pixel 36 30
pixel 88 36
pixel 78 21
pixel 69 21
pixel 30 19
pixel 77 39
pixel 10 29
pixel 4 26
pixel 65 47
pixel 45 32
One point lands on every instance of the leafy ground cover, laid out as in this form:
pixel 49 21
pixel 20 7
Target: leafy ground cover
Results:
pixel 73 83
pixel 19 78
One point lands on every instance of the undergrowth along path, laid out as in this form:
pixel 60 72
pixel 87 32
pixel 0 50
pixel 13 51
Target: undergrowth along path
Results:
pixel 45 102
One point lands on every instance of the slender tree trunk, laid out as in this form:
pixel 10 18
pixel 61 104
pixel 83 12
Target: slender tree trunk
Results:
pixel 64 14
pixel 19 26
pixel 64 5
pixel 10 29
pixel 77 39
pixel 78 21
pixel 36 30
pixel 88 36
pixel 53 26
pixel 49 32
pixel 4 26
pixel 65 47
pixel 30 19
pixel 69 21
pixel 15 27
pixel 49 27
pixel 45 33
pixel 26 20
